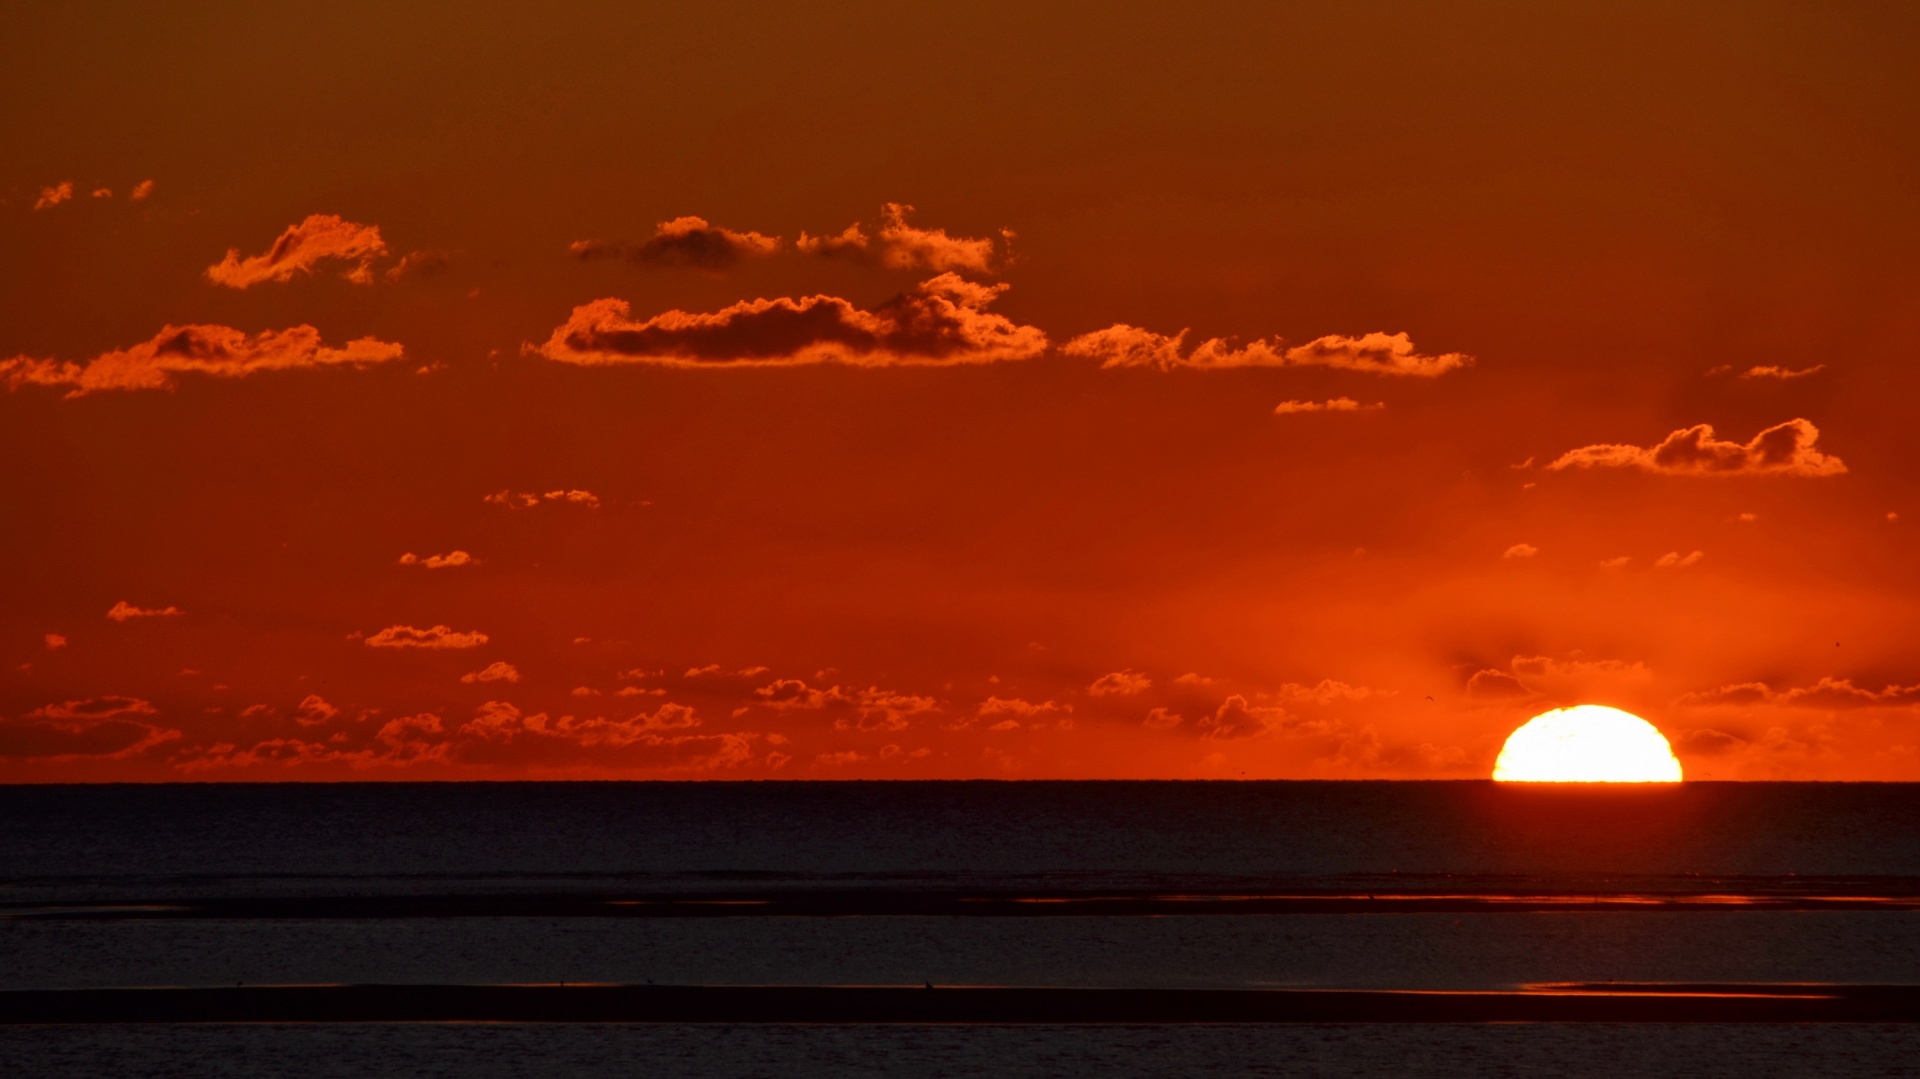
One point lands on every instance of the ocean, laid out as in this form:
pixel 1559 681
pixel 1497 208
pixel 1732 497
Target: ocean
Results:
pixel 1129 909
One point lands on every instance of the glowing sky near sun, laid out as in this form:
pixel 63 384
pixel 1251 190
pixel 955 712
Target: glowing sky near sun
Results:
pixel 429 392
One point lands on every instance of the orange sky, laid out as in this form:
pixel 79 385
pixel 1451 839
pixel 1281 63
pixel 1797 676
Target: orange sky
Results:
pixel 587 391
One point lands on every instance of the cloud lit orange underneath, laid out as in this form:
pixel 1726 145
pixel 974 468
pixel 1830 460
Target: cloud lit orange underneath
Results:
pixel 1588 743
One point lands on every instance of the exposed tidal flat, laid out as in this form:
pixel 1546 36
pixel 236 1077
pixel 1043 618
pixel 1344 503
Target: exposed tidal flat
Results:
pixel 431 894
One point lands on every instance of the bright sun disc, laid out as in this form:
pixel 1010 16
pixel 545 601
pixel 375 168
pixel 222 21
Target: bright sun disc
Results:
pixel 1588 743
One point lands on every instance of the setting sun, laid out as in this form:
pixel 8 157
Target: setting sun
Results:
pixel 1588 743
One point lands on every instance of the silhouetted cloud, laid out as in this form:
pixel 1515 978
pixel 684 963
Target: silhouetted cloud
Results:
pixel 320 238
pixel 418 264
pixel 217 351
pixel 684 241
pixel 123 610
pixel 1496 684
pixel 899 246
pixel 1785 449
pixel 431 637
pixel 942 321
pixel 1121 345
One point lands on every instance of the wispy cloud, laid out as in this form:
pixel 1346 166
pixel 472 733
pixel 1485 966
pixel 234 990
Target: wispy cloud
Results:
pixel 898 245
pixel 216 351
pixel 1785 449
pixel 526 500
pixel 1337 404
pixel 942 321
pixel 320 238
pixel 1783 373
pixel 1121 345
pixel 123 610
pixel 684 241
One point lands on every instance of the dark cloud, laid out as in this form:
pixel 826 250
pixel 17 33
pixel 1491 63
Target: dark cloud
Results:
pixel 943 321
pixel 683 241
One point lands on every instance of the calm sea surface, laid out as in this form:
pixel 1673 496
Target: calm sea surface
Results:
pixel 1473 886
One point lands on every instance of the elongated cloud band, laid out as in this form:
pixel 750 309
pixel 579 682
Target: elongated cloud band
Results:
pixel 220 351
pixel 435 637
pixel 941 322
pixel 1121 345
pixel 1785 449
pixel 319 238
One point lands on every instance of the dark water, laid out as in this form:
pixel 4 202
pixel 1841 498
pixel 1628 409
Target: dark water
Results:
pixel 1815 883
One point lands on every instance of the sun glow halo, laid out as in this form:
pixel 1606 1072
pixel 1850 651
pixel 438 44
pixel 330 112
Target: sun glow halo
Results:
pixel 1588 743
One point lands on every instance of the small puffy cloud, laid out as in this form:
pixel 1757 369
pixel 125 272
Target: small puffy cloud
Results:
pixel 53 195
pixel 439 561
pixel 1520 550
pixel 55 641
pixel 122 611
pixel 320 238
pixel 1237 718
pixel 1782 373
pixel 1676 560
pixel 497 671
pixel 1121 345
pixel 1120 684
pixel 1192 679
pixel 102 192
pixel 1162 719
pixel 667 728
pixel 1785 449
pixel 898 245
pixel 141 191
pixel 435 637
pixel 684 241
pixel 1337 404
pixel 1747 518
pixel 1615 563
pixel 526 500
pixel 885 710
pixel 943 321
pixel 314 711
pixel 218 351
pixel 1495 684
